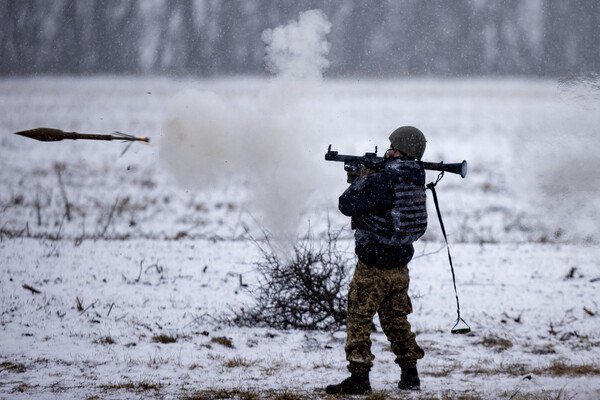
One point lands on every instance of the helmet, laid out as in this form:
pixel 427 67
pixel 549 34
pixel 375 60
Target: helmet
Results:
pixel 409 140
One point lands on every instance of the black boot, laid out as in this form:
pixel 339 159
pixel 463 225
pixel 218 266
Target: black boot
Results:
pixel 409 379
pixel 357 383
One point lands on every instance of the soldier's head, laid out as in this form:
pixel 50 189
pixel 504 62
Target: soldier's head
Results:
pixel 407 141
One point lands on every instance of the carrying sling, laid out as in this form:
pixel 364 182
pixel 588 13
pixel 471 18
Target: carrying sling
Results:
pixel 455 328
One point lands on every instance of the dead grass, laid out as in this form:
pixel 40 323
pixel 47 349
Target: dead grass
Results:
pixel 557 368
pixel 287 395
pixel 157 361
pixel 561 368
pixel 441 372
pixel 543 395
pixel 223 341
pixel 106 340
pixel 482 366
pixel 15 367
pixel 239 362
pixel 497 343
pixel 322 364
pixel 163 338
pixel 378 395
pixel 255 394
pixel 144 385
pixel 452 395
pixel 22 388
pixel 487 367
pixel 542 349
pixel 272 369
pixel 216 394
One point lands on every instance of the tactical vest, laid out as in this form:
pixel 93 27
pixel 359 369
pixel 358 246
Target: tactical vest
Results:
pixel 407 220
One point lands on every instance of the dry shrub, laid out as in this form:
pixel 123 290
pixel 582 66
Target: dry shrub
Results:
pixel 303 290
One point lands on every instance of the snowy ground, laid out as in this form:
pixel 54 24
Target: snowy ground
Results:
pixel 121 253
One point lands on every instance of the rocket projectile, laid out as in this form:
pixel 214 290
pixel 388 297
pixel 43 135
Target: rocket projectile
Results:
pixel 55 135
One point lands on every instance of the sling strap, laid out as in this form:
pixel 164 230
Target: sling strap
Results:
pixel 455 328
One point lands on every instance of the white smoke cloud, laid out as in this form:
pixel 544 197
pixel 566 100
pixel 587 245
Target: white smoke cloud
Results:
pixel 266 140
pixel 298 50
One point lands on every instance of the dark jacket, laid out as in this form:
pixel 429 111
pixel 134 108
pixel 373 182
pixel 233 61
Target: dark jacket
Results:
pixel 388 210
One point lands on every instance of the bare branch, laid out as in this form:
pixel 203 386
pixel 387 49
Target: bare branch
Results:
pixel 303 290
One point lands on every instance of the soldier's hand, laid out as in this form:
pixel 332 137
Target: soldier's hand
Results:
pixel 351 176
pixel 364 171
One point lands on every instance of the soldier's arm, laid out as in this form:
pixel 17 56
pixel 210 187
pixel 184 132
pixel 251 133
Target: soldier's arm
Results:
pixel 367 193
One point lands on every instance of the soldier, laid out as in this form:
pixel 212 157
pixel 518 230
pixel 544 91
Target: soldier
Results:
pixel 388 210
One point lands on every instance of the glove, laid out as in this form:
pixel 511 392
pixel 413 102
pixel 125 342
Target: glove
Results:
pixel 352 175
pixel 364 171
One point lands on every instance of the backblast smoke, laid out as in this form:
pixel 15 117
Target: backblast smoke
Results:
pixel 265 141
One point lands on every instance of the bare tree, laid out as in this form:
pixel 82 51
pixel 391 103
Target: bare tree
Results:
pixel 382 37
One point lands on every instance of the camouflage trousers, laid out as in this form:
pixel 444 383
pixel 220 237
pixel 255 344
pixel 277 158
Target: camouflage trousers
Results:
pixel 382 291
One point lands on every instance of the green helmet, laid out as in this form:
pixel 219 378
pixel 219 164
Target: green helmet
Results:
pixel 409 140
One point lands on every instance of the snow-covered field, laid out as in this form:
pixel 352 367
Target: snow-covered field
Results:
pixel 126 250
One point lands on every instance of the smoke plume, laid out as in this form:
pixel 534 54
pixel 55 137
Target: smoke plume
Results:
pixel 264 141
pixel 298 50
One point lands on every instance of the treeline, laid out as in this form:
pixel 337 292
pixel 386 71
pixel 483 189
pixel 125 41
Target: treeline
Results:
pixel 377 37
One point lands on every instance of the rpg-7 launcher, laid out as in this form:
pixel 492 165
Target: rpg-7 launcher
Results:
pixel 371 161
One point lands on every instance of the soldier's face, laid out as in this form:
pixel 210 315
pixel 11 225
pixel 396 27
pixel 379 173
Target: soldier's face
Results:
pixel 392 153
